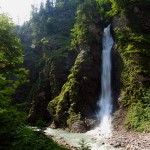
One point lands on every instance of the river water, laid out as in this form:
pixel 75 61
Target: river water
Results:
pixel 73 139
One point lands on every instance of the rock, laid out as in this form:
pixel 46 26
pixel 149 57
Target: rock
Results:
pixel 60 138
pixel 136 9
pixel 91 123
pixel 78 126
pixel 117 144
pixel 41 96
pixel 130 140
pixel 53 126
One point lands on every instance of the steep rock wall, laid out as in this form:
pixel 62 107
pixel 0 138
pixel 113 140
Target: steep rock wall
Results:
pixel 48 86
pixel 75 107
pixel 132 42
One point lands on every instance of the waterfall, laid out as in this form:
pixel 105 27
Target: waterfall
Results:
pixel 105 101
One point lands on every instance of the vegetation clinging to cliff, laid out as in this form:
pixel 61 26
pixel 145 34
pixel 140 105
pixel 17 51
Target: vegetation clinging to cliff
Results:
pixel 132 41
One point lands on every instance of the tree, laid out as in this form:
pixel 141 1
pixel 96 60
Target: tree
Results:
pixel 11 76
pixel 9 44
pixel 48 6
pixel 11 54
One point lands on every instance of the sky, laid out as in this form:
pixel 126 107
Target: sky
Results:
pixel 18 10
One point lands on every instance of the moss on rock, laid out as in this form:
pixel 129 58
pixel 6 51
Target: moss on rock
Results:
pixel 133 44
pixel 79 94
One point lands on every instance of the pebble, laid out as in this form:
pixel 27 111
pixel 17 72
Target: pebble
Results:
pixel 130 140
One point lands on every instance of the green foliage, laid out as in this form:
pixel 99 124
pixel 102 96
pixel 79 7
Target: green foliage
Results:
pixel 5 92
pixel 146 97
pixel 73 116
pixel 59 43
pixel 121 7
pixel 59 5
pixel 83 145
pixel 133 45
pixel 138 117
pixel 86 14
pixel 78 35
pixel 109 8
pixel 9 43
pixel 11 55
pixel 133 49
pixel 27 139
pixel 40 123
pixel 52 20
pixel 11 58
pixel 10 120
pixel 105 8
pixel 61 103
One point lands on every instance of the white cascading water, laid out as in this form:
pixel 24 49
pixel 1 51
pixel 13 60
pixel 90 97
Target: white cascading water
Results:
pixel 105 101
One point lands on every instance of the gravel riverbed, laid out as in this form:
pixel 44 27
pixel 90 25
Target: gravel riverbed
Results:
pixel 130 140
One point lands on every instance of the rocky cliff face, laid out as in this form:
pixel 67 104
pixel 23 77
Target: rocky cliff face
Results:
pixel 48 86
pixel 132 42
pixel 75 106
pixel 40 98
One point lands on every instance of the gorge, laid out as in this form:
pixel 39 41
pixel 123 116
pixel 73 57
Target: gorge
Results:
pixel 79 68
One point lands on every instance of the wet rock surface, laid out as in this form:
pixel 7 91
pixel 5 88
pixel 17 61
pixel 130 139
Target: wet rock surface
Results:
pixel 78 126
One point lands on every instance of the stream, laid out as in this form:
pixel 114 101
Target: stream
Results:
pixel 72 139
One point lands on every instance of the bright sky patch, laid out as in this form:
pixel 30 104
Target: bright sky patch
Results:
pixel 18 10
